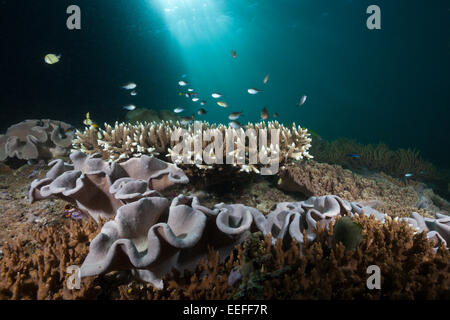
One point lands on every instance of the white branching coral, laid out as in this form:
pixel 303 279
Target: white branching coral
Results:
pixel 201 144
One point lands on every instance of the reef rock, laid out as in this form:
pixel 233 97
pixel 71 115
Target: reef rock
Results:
pixel 100 188
pixel 387 194
pixel 36 139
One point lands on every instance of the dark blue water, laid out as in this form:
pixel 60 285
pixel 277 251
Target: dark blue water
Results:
pixel 389 85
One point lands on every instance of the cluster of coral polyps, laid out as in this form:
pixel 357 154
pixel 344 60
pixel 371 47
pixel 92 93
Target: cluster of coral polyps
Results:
pixel 267 143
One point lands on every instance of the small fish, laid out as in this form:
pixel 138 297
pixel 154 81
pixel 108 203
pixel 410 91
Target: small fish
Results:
pixel 253 91
pixel 223 104
pixel 201 112
pixel 233 53
pixel 52 58
pixel 187 120
pixel 195 99
pixel 302 100
pixel 353 155
pixel 133 93
pixel 234 115
pixel 216 95
pixel 264 114
pixel 88 121
pixel 129 86
pixel 187 95
pixel 266 78
pixel 408 175
pixel 178 110
pixel 130 107
pixel 184 76
pixel 234 124
pixel 183 83
pixel 191 90
pixel 275 115
pixel 203 102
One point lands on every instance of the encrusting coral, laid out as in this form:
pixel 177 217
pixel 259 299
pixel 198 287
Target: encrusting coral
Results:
pixel 99 188
pixel 37 139
pixel 155 138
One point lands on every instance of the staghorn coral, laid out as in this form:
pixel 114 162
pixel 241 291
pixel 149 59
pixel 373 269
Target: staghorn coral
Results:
pixel 36 139
pixel 390 195
pixel 155 138
pixel 99 188
pixel 37 270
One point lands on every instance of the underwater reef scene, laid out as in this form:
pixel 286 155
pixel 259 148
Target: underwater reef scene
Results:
pixel 139 227
pixel 225 150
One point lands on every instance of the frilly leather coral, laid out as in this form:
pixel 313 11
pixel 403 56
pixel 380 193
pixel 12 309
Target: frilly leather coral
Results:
pixel 151 238
pixel 100 188
pixel 36 139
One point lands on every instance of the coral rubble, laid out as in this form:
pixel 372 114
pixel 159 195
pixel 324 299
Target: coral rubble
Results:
pixel 36 139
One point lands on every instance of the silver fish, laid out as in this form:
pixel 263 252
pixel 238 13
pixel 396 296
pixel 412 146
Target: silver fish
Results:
pixel 129 86
pixel 130 107
pixel 183 83
pixel 234 115
pixel 234 124
pixel 178 110
pixel 195 99
pixel 133 93
pixel 253 91
pixel 216 95
pixel 302 100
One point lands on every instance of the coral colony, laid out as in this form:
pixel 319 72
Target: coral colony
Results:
pixel 124 222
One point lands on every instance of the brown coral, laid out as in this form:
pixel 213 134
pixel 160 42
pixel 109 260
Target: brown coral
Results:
pixel 37 270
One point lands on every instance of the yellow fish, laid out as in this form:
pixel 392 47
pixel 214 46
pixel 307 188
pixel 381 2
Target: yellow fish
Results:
pixel 89 122
pixel 52 58
pixel 223 104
